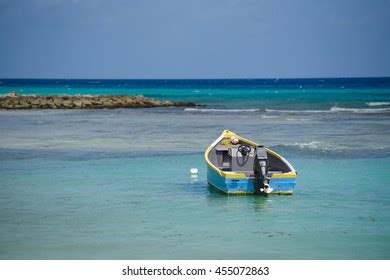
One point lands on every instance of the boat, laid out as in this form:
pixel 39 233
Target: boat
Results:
pixel 236 165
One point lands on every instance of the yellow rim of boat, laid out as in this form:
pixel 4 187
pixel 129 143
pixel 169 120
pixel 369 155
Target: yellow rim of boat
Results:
pixel 237 175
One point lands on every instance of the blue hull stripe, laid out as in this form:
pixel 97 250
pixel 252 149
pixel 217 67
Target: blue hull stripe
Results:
pixel 246 185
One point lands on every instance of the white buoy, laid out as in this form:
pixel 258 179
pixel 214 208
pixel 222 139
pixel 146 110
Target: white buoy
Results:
pixel 194 170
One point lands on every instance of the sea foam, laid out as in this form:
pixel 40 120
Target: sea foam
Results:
pixel 334 109
pixel 360 110
pixel 378 103
pixel 296 111
pixel 219 110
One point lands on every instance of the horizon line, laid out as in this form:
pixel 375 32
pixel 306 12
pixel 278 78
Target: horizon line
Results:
pixel 176 79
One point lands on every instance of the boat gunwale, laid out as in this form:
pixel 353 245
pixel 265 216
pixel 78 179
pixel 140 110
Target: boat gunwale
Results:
pixel 232 174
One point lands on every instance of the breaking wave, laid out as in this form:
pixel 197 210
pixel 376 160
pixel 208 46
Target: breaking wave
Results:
pixel 360 110
pixel 333 110
pixel 296 111
pixel 378 103
pixel 220 110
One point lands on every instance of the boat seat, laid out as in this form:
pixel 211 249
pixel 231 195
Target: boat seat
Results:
pixel 222 158
pixel 221 149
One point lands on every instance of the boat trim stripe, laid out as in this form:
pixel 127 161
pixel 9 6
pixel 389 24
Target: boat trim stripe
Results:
pixel 232 174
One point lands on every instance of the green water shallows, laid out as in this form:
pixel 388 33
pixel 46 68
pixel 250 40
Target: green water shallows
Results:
pixel 131 208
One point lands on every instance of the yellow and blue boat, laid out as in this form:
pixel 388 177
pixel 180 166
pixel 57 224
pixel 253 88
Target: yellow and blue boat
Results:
pixel 236 165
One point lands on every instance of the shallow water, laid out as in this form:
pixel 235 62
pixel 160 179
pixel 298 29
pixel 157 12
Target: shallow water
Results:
pixel 115 184
pixel 131 207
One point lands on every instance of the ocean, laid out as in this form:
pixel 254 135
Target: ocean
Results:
pixel 116 184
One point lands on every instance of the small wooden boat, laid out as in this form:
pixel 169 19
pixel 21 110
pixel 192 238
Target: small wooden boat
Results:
pixel 236 165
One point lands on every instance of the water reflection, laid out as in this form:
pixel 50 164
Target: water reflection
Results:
pixel 258 203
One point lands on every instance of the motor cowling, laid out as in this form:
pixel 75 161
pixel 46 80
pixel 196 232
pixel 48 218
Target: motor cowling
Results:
pixel 260 170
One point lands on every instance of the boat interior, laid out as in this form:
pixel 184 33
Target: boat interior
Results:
pixel 227 156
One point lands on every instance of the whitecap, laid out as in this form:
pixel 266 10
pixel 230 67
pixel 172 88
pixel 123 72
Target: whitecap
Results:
pixel 219 110
pixel 378 103
pixel 360 110
pixel 296 111
pixel 334 109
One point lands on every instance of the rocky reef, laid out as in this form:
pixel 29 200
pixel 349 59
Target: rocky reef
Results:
pixel 105 101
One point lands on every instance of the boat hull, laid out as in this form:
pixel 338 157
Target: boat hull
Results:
pixel 228 185
pixel 282 177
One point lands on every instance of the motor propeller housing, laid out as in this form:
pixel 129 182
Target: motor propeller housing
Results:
pixel 260 170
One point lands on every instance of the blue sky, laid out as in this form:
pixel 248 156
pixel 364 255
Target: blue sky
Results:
pixel 194 39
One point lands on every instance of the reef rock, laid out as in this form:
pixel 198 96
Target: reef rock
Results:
pixel 13 100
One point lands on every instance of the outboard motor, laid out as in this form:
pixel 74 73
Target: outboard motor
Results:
pixel 260 168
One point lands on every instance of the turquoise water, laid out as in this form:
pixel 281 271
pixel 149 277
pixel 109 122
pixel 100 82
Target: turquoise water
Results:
pixel 115 184
pixel 260 94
